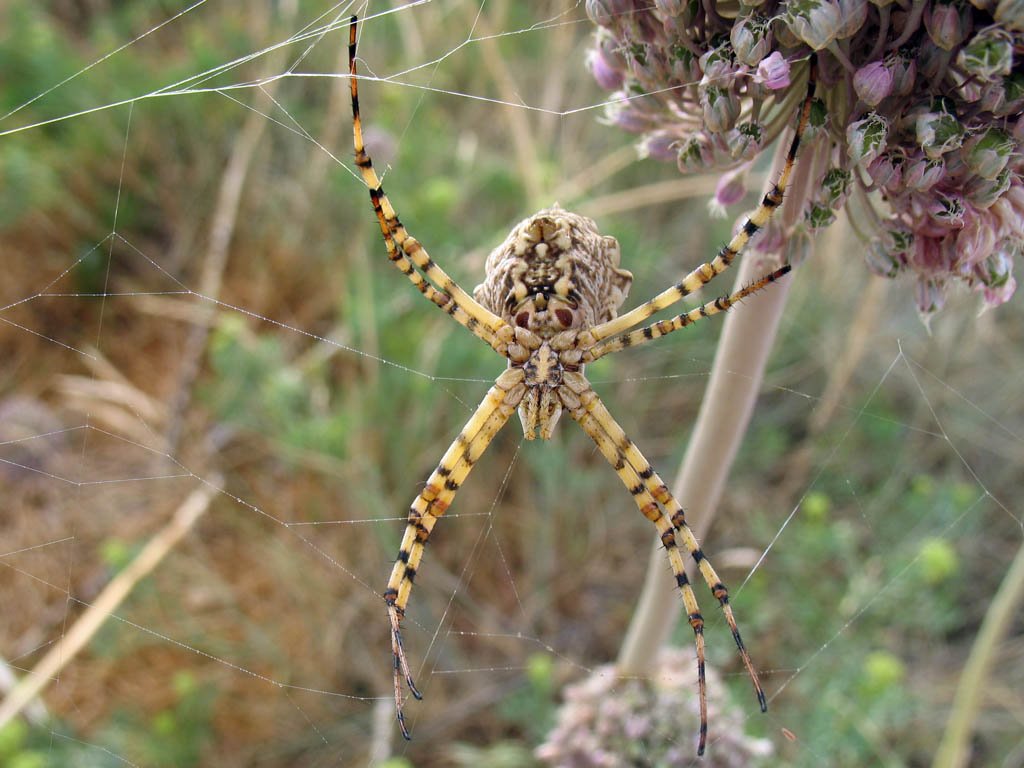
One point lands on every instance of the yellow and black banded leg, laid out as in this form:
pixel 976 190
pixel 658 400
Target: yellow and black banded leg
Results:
pixel 652 496
pixel 649 507
pixel 442 485
pixel 657 487
pixel 657 330
pixel 441 289
pixel 706 272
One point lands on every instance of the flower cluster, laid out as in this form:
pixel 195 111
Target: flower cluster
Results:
pixel 610 722
pixel 920 101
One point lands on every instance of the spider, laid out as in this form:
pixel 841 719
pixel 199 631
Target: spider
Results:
pixel 549 305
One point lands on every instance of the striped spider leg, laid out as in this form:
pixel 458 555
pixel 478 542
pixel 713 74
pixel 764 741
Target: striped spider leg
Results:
pixel 549 304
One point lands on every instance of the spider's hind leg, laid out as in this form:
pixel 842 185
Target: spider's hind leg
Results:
pixel 401 661
pixel 654 500
pixel 432 502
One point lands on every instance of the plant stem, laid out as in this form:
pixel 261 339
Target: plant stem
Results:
pixel 954 751
pixel 724 414
pixel 725 411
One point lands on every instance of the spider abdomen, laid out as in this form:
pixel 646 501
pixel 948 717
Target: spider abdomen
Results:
pixel 554 272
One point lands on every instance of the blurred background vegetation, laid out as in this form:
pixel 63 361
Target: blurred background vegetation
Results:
pixel 276 354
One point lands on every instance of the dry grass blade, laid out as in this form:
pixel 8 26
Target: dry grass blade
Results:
pixel 89 623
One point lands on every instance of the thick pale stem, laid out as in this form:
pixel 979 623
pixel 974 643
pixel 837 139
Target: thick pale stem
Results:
pixel 725 412
pixel 747 337
pixel 954 751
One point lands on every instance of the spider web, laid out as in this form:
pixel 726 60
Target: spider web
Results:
pixel 218 400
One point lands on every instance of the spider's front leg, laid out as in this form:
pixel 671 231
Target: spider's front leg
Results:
pixel 404 251
pixel 433 501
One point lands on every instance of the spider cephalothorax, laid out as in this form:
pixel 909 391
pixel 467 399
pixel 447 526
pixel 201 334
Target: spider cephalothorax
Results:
pixel 553 272
pixel 548 304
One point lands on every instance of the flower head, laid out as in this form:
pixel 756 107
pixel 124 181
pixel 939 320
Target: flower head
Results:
pixel 924 115
pixel 615 722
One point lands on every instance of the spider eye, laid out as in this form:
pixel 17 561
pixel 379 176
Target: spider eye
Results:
pixel 564 317
pixel 523 319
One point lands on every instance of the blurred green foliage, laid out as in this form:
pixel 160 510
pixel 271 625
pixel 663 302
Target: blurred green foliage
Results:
pixel 174 737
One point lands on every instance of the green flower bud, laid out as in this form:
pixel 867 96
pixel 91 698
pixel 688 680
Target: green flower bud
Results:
pixel 899 241
pixel 866 139
pixel 720 106
pixel 819 216
pixel 939 131
pixel 880 260
pixel 947 209
pixel 816 22
pixel 695 153
pixel 745 140
pixel 983 193
pixel 751 39
pixel 1013 99
pixel 988 54
pixel 835 186
pixel 987 153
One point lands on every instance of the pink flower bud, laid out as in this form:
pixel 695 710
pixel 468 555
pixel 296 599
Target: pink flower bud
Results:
pixel 606 76
pixel 977 240
pixel 873 83
pixel 945 26
pixel 931 297
pixel 886 171
pixel 904 72
pixel 660 145
pixel 923 173
pixel 670 7
pixel 1010 13
pixel 852 15
pixel 623 113
pixel 773 72
pixel 732 187
pixel 607 13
